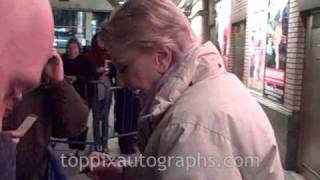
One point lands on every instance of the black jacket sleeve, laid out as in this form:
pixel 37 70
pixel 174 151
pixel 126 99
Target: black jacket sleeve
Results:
pixel 70 114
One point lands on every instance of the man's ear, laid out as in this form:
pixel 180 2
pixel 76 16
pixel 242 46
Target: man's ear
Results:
pixel 163 59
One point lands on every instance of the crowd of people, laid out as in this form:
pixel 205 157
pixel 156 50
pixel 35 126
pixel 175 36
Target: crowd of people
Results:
pixel 93 76
pixel 71 85
pixel 190 105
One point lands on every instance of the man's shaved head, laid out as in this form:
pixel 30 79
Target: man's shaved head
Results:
pixel 25 46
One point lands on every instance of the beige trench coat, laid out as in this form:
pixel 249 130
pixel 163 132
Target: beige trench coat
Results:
pixel 203 124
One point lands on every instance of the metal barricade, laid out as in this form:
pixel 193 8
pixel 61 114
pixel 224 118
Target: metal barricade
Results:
pixel 123 118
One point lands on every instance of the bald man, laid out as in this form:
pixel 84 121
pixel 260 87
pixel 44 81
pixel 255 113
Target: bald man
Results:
pixel 25 47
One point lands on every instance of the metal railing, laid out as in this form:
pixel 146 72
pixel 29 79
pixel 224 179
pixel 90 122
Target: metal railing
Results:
pixel 125 116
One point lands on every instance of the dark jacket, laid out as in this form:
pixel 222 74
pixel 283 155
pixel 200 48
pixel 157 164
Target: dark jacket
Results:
pixel 127 109
pixel 61 113
pixel 7 157
pixel 84 71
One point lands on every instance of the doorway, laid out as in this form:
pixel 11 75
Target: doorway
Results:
pixel 310 142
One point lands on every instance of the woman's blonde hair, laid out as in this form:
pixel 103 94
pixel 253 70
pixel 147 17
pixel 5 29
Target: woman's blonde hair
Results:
pixel 146 24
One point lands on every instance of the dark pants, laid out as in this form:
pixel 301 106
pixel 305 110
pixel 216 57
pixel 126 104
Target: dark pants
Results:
pixel 127 144
pixel 81 138
pixel 100 121
pixel 8 151
pixel 55 171
pixel 127 110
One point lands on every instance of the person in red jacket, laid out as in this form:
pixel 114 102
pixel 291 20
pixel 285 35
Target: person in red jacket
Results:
pixel 101 97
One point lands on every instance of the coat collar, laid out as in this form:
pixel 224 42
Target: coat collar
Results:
pixel 199 63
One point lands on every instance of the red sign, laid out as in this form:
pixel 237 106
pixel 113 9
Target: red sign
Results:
pixel 275 76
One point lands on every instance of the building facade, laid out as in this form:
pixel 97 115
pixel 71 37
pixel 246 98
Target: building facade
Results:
pixel 273 46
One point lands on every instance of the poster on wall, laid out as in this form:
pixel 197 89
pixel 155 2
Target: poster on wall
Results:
pixel 223 25
pixel 276 49
pixel 257 16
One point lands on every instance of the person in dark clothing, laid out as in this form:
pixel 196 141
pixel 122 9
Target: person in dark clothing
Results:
pixel 78 66
pixel 82 71
pixel 127 109
pixel 101 102
pixel 61 113
pixel 97 54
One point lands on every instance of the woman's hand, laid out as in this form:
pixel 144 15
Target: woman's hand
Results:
pixel 102 167
pixel 53 72
pixel 14 135
pixel 103 70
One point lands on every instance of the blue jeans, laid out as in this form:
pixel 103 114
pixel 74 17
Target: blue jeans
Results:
pixel 100 112
pixel 55 169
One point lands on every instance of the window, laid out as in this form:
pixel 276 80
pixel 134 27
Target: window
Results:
pixel 79 24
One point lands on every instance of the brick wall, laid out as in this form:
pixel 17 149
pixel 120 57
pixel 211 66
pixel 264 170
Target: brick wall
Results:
pixel 237 49
pixel 246 66
pixel 295 59
pixel 238 14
